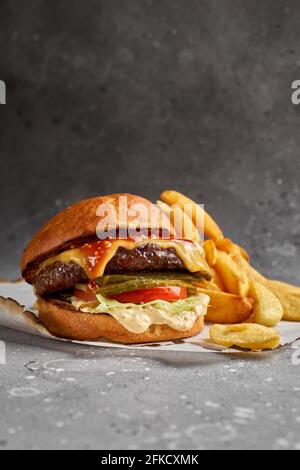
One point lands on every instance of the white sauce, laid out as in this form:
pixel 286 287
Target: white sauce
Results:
pixel 138 319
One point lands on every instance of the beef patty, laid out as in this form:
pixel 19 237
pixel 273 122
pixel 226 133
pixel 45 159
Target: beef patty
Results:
pixel 61 276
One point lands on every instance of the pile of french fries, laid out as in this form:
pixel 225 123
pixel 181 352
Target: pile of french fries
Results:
pixel 245 306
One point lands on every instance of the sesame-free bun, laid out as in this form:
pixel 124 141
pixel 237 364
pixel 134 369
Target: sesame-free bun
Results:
pixel 63 321
pixel 80 222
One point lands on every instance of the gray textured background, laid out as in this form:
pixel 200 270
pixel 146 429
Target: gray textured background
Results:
pixel 110 95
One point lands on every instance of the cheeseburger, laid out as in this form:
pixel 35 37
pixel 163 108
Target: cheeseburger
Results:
pixel 112 267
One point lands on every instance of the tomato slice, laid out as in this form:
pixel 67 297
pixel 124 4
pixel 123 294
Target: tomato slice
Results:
pixel 83 295
pixel 141 296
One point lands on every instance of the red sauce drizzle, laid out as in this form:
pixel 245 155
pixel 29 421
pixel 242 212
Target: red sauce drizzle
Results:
pixel 94 254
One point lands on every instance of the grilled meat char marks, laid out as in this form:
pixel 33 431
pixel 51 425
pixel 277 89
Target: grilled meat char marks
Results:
pixel 60 276
pixel 144 258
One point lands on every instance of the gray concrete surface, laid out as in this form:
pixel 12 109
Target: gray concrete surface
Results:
pixel 63 396
pixel 109 96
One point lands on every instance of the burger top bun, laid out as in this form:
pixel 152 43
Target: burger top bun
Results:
pixel 82 220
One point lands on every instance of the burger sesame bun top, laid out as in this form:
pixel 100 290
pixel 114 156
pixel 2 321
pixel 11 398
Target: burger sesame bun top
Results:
pixel 83 220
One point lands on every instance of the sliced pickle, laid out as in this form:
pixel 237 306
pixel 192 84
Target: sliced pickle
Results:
pixel 136 284
pixel 114 284
pixel 118 278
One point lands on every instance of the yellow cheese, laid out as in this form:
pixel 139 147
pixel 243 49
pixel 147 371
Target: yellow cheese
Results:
pixel 191 254
pixel 69 256
pixel 77 256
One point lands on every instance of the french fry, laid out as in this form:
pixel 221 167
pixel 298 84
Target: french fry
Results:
pixel 211 229
pixel 227 308
pixel 246 336
pixel 227 245
pixel 289 298
pixel 287 294
pixel 251 273
pixel 234 278
pixel 268 310
pixel 244 253
pixel 168 211
pixel 182 223
pixel 288 288
pixel 233 274
pixel 217 280
pixel 211 253
pixel 164 207
pixel 208 285
pixel 215 283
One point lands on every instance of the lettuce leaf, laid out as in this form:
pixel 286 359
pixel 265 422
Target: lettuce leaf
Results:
pixel 180 315
pixel 184 305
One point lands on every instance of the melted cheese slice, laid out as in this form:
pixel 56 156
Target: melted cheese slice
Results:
pixel 191 254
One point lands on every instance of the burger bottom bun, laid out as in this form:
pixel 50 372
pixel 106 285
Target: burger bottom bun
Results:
pixel 63 321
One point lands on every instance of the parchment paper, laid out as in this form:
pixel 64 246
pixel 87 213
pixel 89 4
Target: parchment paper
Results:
pixel 17 312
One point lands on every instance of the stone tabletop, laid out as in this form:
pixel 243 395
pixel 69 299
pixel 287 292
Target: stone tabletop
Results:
pixel 64 396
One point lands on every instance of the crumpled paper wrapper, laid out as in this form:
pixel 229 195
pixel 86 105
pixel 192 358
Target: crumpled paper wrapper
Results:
pixel 18 313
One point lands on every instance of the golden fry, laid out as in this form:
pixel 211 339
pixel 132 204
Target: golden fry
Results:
pixel 210 252
pixel 218 281
pixel 233 274
pixel 289 298
pixel 227 308
pixel 235 280
pixel 244 253
pixel 268 310
pixel 208 285
pixel 227 245
pixel 251 273
pixel 180 221
pixel 288 288
pixel 231 248
pixel 287 294
pixel 184 225
pixel 246 336
pixel 211 229
pixel 164 207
